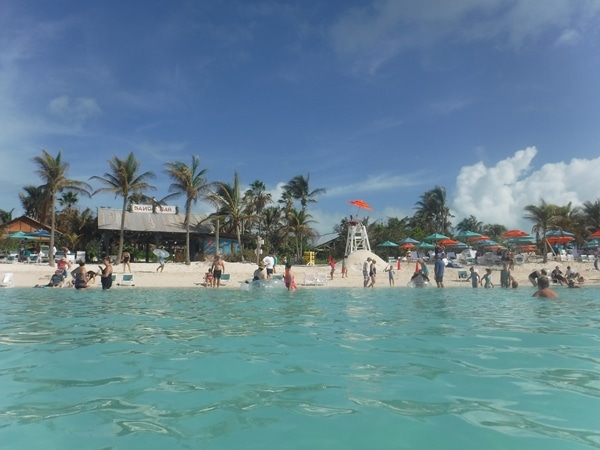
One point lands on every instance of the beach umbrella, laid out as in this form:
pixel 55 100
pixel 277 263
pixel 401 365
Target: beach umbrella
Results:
pixel 40 234
pixel 435 237
pixel 595 234
pixel 479 238
pixel 408 245
pixel 522 239
pixel 426 246
pixel 458 246
pixel 20 235
pixel 447 242
pixel 387 244
pixel 559 233
pixel 408 240
pixel 559 239
pixel 514 234
pixel 485 242
pixel 592 243
pixel 468 234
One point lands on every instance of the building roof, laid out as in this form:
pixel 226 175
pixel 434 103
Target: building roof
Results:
pixel 25 224
pixel 110 219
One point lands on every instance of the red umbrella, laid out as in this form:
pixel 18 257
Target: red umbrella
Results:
pixel 407 246
pixel 447 242
pixel 514 234
pixel 479 238
pixel 360 204
pixel 559 239
pixel 594 235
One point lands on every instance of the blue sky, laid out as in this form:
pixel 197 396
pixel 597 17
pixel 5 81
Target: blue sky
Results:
pixel 498 101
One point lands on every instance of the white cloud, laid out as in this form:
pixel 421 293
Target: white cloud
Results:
pixel 498 194
pixel 376 34
pixel 77 110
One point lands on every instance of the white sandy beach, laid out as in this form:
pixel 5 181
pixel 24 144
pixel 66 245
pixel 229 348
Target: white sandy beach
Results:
pixel 179 275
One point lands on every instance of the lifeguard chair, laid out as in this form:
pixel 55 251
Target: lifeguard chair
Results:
pixel 358 238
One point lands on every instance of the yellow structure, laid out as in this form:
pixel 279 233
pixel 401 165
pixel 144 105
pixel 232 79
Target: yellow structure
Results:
pixel 309 258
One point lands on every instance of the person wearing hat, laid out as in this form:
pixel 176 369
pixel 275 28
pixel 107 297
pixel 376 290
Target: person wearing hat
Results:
pixel 260 273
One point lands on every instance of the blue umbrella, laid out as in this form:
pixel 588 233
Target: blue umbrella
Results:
pixel 19 235
pixel 41 233
pixel 468 234
pixel 558 233
pixel 435 237
pixel 408 240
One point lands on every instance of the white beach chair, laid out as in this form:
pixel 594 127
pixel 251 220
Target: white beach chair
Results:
pixel 321 279
pixel 126 280
pixel 310 279
pixel 7 280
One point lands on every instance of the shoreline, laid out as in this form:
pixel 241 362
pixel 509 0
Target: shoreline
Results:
pixel 179 275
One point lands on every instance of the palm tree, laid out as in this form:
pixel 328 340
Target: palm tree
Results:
pixel 298 188
pixel 53 172
pixel 542 216
pixel 298 224
pixel 591 213
pixel 257 198
pixel 124 180
pixel 231 210
pixel 432 212
pixel 5 216
pixel 35 202
pixel 68 200
pixel 188 181
pixel 469 224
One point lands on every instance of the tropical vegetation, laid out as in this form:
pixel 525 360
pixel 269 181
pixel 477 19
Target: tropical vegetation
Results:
pixel 251 216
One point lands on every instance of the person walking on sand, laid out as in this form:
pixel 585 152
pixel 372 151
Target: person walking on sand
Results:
pixel 390 270
pixel 344 268
pixel 438 270
pixel 331 263
pixel 474 276
pixel 218 268
pixel 161 261
pixel 372 273
pixel 126 258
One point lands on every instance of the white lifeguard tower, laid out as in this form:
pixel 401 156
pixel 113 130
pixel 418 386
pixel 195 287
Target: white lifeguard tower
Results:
pixel 358 238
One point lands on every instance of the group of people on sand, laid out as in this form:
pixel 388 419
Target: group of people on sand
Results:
pixel 82 278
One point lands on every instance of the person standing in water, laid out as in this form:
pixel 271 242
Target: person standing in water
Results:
pixel 106 274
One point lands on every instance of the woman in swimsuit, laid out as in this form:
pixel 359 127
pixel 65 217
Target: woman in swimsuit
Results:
pixel 81 276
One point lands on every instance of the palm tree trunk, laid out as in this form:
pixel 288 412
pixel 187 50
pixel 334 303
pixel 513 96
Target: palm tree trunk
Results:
pixel 187 238
pixel 122 235
pixel 52 230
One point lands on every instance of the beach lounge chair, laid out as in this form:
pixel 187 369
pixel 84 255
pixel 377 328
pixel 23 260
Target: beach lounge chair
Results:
pixel 321 279
pixel 126 280
pixel 225 277
pixel 7 280
pixel 463 275
pixel 310 279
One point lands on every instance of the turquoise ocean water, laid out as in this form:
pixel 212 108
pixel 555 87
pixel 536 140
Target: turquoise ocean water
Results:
pixel 315 369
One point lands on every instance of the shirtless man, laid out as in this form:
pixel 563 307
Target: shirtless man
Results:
pixel 218 268
pixel 544 289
